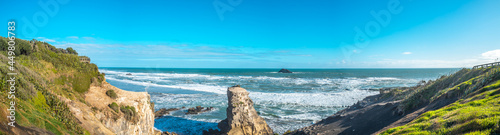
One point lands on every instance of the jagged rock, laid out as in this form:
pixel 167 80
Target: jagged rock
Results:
pixel 284 71
pixel 212 132
pixel 167 133
pixel 164 111
pixel 198 110
pixel 242 119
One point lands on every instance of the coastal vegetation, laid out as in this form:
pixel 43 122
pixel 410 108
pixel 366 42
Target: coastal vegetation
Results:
pixel 111 94
pixel 129 112
pixel 114 106
pixel 475 108
pixel 44 75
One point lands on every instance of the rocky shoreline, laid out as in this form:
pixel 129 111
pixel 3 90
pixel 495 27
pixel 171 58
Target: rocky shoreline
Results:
pixel 365 117
pixel 193 110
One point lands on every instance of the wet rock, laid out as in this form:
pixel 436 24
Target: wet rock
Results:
pixel 212 132
pixel 164 111
pixel 168 133
pixel 198 110
pixel 284 71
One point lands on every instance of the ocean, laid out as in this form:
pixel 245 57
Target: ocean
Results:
pixel 285 101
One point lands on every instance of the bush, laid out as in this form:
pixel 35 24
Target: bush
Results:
pixel 129 112
pixel 111 94
pixel 23 47
pixel 71 51
pixel 114 107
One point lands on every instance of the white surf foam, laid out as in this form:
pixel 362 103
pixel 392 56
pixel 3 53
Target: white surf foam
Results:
pixel 195 87
pixel 344 98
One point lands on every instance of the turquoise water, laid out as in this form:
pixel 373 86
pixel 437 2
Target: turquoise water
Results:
pixel 285 101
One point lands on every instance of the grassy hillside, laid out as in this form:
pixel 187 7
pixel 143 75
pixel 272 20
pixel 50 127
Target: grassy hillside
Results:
pixel 474 95
pixel 45 74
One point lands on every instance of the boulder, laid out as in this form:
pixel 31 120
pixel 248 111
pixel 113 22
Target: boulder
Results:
pixel 242 119
pixel 198 110
pixel 284 71
pixel 168 133
pixel 164 111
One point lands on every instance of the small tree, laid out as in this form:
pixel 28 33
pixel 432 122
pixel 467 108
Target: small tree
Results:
pixel 71 51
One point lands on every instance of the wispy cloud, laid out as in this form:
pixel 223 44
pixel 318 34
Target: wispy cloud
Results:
pixel 46 39
pixel 406 53
pixel 73 37
pixel 89 38
pixel 482 58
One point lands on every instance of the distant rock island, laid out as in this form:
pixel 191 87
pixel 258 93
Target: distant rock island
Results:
pixel 284 71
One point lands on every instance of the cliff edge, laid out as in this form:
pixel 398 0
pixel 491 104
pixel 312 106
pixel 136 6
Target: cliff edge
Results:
pixel 56 92
pixel 99 119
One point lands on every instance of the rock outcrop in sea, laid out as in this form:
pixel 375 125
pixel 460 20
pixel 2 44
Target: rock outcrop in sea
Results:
pixel 164 111
pixel 284 71
pixel 242 118
pixel 198 110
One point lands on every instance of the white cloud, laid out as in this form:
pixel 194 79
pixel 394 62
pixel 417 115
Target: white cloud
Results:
pixel 45 39
pixel 88 38
pixel 73 37
pixel 494 54
pixel 406 53
pixel 417 63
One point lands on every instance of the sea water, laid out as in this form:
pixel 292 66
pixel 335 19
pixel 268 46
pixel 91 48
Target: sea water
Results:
pixel 286 101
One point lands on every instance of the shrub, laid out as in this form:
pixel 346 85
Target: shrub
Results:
pixel 71 51
pixel 129 112
pixel 114 107
pixel 111 94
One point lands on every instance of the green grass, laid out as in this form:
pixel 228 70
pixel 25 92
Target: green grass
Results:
pixel 476 112
pixel 480 116
pixel 44 74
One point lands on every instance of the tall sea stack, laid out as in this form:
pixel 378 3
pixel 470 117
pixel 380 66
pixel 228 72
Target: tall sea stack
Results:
pixel 242 119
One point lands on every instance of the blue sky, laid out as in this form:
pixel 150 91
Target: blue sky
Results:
pixel 266 34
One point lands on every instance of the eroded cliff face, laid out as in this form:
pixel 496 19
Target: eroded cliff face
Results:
pixel 98 118
pixel 242 119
